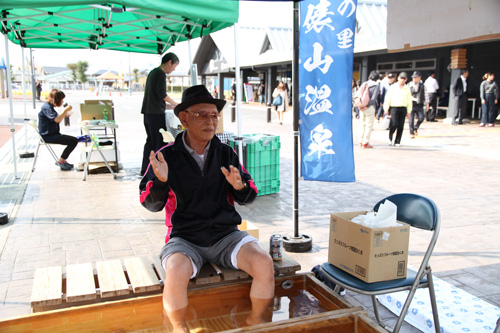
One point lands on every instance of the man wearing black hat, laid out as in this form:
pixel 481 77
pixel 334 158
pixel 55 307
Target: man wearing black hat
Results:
pixel 197 179
pixel 398 103
pixel 154 105
pixel 418 93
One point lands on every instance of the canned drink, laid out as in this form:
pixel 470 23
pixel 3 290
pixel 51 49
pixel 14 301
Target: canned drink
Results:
pixel 276 247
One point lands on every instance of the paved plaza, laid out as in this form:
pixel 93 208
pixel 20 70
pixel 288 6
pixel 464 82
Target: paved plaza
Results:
pixel 63 220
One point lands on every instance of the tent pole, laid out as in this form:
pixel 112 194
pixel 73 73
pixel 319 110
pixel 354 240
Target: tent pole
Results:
pixel 297 243
pixel 26 154
pixel 9 90
pixel 238 86
pixel 32 78
pixel 194 79
pixel 129 76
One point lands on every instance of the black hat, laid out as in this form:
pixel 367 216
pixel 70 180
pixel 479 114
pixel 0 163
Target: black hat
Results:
pixel 403 74
pixel 416 74
pixel 197 95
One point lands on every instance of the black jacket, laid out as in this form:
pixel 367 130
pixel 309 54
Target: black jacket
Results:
pixel 458 87
pixel 199 204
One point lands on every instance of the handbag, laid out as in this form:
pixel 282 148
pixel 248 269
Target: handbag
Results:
pixel 386 122
pixel 278 100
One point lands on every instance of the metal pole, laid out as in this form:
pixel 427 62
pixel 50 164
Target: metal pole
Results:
pixel 297 243
pixel 129 78
pixel 194 73
pixel 238 84
pixel 32 78
pixel 25 154
pixel 9 90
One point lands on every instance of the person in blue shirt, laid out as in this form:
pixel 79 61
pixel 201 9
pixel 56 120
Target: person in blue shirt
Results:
pixel 48 126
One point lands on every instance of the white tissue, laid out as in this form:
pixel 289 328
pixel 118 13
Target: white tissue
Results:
pixel 385 217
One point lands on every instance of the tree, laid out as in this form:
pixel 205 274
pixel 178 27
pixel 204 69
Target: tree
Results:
pixel 74 74
pixel 136 76
pixel 82 67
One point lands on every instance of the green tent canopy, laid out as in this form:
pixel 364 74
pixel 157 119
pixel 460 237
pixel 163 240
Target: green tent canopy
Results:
pixel 144 26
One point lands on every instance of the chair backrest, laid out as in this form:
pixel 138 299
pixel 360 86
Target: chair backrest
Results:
pixel 33 124
pixel 416 210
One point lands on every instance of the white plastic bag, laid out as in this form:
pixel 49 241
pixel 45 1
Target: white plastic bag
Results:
pixel 386 122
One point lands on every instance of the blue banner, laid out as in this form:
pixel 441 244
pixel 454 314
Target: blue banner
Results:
pixel 325 94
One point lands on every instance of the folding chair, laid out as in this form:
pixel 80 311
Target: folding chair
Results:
pixel 419 212
pixel 94 145
pixel 33 124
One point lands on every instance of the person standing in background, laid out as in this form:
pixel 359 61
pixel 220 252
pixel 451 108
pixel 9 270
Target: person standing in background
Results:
pixel 386 82
pixel 154 105
pixel 38 87
pixel 367 114
pixel 431 87
pixel 261 91
pixel 418 94
pixel 398 103
pixel 280 90
pixel 459 89
pixel 488 92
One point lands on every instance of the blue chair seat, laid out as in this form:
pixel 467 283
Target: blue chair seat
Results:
pixel 354 282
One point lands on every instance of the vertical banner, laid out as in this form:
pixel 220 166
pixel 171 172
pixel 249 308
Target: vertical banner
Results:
pixel 325 94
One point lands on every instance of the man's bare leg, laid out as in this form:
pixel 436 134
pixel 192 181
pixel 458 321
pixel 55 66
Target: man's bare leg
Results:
pixel 175 301
pixel 259 265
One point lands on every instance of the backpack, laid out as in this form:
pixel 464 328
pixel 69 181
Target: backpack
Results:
pixel 362 97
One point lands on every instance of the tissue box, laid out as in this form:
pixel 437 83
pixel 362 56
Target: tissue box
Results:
pixel 370 254
pixel 250 228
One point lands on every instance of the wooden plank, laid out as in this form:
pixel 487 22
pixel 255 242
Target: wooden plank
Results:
pixel 141 275
pixel 47 286
pixel 207 275
pixel 80 284
pixel 158 267
pixel 112 281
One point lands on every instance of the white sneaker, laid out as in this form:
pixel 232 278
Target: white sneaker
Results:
pixel 389 143
pixel 397 145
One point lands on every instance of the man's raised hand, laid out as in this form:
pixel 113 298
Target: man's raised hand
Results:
pixel 160 166
pixel 233 177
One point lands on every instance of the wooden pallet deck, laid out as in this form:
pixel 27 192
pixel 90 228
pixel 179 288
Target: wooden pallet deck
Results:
pixel 80 284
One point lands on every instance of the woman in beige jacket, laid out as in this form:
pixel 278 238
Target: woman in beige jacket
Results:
pixel 281 90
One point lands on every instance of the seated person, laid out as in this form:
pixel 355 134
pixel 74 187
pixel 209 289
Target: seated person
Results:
pixel 197 179
pixel 48 126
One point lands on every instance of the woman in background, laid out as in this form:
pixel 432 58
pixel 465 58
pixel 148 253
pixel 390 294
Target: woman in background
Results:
pixel 488 91
pixel 48 126
pixel 281 90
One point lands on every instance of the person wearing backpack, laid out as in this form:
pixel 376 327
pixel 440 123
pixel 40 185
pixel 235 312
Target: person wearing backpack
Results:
pixel 366 100
pixel 398 104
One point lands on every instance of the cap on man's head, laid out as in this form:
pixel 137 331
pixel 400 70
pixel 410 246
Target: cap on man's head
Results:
pixel 390 75
pixel 403 75
pixel 416 74
pixel 197 95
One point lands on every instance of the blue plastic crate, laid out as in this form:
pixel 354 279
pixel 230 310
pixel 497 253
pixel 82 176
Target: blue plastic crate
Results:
pixel 261 158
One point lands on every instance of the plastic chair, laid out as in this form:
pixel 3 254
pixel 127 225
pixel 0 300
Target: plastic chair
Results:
pixel 33 124
pixel 419 212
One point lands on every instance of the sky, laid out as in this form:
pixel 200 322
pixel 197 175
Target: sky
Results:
pixel 252 13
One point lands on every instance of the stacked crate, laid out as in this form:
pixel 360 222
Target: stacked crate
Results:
pixel 261 158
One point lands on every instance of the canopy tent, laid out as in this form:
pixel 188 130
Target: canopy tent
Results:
pixel 109 75
pixel 150 26
pixel 123 25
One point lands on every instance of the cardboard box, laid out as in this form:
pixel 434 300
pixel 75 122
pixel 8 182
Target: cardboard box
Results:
pixel 107 151
pixel 371 255
pixel 250 228
pixel 95 111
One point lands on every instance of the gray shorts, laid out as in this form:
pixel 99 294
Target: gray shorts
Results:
pixel 222 253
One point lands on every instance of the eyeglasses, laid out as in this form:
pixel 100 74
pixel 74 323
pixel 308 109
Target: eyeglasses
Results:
pixel 203 116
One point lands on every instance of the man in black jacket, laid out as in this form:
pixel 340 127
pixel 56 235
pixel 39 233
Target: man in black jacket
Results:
pixel 197 179
pixel 459 89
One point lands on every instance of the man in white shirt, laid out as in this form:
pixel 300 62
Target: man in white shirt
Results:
pixel 431 87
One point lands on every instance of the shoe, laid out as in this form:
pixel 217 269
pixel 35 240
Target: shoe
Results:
pixel 491 125
pixel 366 145
pixel 433 121
pixel 65 166
pixel 397 145
pixel 481 125
pixel 281 123
pixel 390 142
pixel 460 122
pixel 412 136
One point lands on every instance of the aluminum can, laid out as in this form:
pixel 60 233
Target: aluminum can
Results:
pixel 276 247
